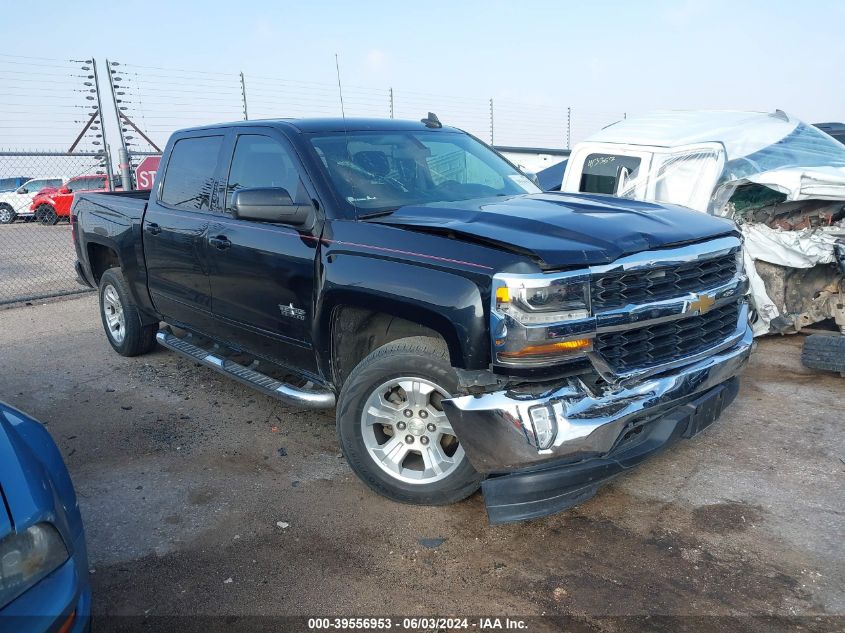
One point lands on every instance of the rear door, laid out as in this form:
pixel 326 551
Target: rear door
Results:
pixel 262 274
pixel 175 231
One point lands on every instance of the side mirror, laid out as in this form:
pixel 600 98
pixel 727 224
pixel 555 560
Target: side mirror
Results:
pixel 64 189
pixel 23 190
pixel 269 204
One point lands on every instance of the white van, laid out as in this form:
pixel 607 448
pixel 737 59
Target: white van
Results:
pixel 781 180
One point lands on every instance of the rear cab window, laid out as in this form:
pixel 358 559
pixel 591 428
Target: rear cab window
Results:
pixel 191 169
pixel 602 172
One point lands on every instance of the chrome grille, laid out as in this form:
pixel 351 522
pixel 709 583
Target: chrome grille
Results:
pixel 644 347
pixel 617 289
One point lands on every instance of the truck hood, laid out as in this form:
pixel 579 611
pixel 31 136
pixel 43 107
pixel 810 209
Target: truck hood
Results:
pixel 564 230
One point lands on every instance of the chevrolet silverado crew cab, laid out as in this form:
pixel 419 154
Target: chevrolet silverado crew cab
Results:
pixel 469 329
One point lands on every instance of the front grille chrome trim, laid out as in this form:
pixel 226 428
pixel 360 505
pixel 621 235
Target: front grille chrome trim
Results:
pixel 644 314
pixel 625 377
pixel 647 260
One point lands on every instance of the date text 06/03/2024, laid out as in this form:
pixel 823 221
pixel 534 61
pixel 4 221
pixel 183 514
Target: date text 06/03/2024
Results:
pixel 416 623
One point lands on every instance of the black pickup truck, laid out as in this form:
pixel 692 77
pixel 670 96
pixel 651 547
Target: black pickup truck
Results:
pixel 470 330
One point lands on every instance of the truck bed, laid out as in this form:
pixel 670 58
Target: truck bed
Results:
pixel 130 204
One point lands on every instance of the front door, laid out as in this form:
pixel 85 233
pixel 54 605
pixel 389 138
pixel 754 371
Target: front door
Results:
pixel 175 232
pixel 262 274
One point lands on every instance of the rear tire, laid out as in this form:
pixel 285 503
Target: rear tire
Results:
pixel 121 318
pixel 825 352
pixel 393 431
pixel 7 214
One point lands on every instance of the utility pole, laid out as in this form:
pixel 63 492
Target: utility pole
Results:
pixel 243 95
pixel 122 152
pixel 103 123
pixel 568 128
pixel 492 141
pixel 391 103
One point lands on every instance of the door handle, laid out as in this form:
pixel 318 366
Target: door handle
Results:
pixel 220 242
pixel 152 228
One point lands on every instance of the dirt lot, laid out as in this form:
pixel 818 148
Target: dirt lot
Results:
pixel 183 477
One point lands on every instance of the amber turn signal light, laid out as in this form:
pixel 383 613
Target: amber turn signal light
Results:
pixel 582 344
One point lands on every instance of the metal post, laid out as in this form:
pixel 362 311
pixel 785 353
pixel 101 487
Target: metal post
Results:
pixel 624 115
pixel 103 124
pixel 568 128
pixel 492 141
pixel 243 96
pixel 391 103
pixel 122 152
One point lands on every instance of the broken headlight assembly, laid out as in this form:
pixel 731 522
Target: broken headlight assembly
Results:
pixel 530 314
pixel 27 557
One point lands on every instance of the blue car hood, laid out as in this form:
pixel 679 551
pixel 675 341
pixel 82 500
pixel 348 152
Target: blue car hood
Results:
pixel 565 230
pixel 34 481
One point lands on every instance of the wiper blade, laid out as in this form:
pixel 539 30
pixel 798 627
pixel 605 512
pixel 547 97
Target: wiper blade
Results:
pixel 377 214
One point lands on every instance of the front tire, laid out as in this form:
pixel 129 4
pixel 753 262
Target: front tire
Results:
pixel 46 215
pixel 7 214
pixel 392 428
pixel 825 352
pixel 121 318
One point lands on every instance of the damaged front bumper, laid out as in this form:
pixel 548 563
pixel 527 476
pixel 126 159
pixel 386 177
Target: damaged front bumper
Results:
pixel 596 436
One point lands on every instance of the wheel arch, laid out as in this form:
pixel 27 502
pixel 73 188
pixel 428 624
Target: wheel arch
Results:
pixel 356 330
pixel 101 257
pixel 407 298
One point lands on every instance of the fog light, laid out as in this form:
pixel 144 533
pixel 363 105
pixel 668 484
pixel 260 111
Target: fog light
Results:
pixel 544 426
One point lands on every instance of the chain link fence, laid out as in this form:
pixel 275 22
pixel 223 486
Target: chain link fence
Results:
pixel 36 250
pixel 80 123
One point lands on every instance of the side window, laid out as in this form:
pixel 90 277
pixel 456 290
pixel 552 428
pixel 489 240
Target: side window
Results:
pixel 189 178
pixel 260 161
pixel 601 172
pixel 87 184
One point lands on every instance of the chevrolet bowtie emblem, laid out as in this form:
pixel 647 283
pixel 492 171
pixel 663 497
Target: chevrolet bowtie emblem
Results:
pixel 701 304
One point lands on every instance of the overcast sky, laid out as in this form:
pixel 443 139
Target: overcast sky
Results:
pixel 601 57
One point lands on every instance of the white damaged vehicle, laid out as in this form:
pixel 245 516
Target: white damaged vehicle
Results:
pixel 781 180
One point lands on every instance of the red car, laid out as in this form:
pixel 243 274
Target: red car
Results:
pixel 51 205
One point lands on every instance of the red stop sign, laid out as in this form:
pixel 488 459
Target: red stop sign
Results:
pixel 145 173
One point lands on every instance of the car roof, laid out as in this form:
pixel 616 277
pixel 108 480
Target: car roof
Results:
pixel 741 133
pixel 330 124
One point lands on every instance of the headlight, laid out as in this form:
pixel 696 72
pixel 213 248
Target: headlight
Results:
pixel 527 312
pixel 530 301
pixel 28 557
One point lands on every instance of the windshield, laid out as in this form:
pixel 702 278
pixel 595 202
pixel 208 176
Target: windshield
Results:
pixel 805 146
pixel 381 171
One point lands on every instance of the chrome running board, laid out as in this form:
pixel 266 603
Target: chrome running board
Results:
pixel 258 381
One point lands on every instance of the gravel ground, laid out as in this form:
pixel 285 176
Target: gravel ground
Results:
pixel 203 497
